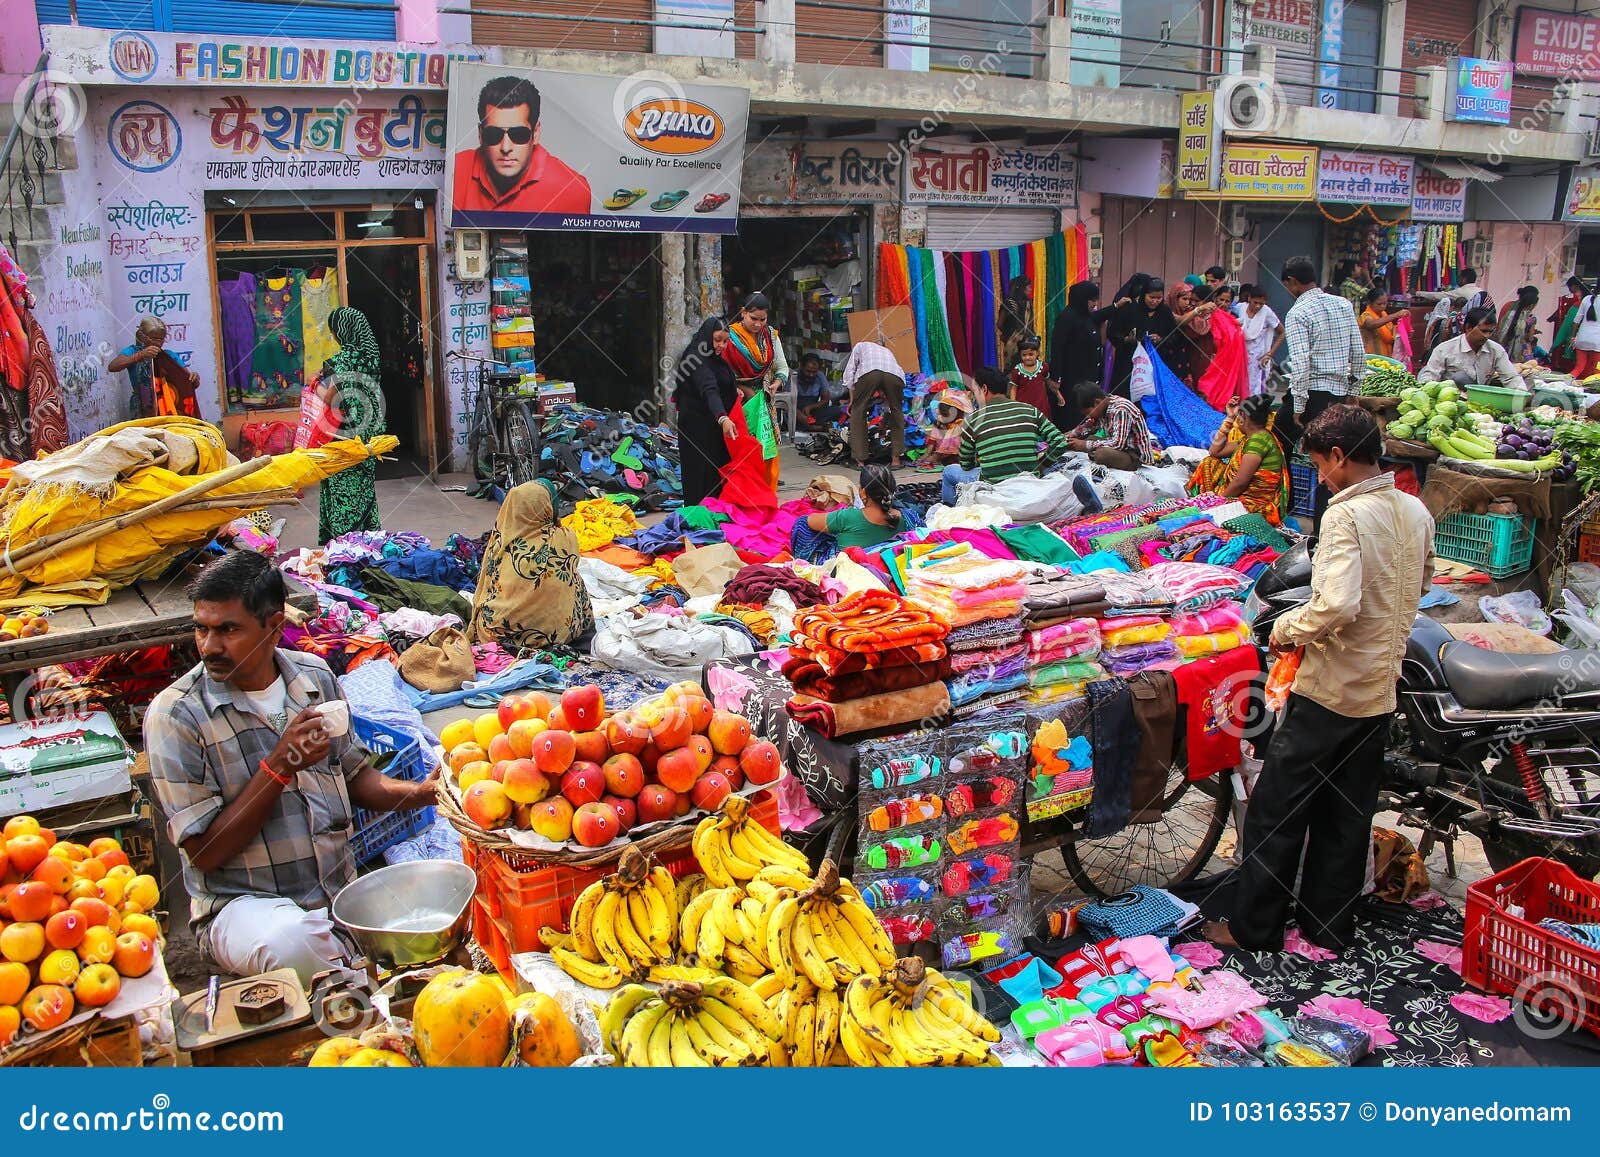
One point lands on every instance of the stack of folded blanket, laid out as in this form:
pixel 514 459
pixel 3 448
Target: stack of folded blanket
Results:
pixel 1061 598
pixel 966 588
pixel 1210 632
pixel 1062 658
pixel 1133 642
pixel 1194 586
pixel 869 662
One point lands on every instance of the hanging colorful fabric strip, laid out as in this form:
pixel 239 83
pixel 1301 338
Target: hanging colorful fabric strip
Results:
pixel 983 324
pixel 942 358
pixel 955 310
pixel 919 311
pixel 1080 268
pixel 894 287
pixel 1056 277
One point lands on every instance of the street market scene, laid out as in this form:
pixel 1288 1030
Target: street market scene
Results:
pixel 800 535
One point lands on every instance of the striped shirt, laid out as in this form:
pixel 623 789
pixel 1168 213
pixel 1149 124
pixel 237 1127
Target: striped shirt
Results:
pixel 205 743
pixel 1004 441
pixel 1325 348
pixel 1121 427
pixel 866 356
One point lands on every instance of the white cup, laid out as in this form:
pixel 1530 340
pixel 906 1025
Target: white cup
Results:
pixel 335 717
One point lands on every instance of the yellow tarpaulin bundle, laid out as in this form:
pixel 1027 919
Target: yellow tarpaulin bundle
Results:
pixel 127 468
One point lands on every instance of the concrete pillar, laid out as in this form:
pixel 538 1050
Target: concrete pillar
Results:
pixel 417 22
pixel 1056 64
pixel 1261 60
pixel 775 38
pixel 1394 46
pixel 1431 89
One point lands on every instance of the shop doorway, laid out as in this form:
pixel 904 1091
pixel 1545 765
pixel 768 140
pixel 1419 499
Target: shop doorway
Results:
pixel 280 271
pixel 812 268
pixel 1277 240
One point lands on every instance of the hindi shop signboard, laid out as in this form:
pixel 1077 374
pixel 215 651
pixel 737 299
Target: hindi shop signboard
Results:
pixel 1559 44
pixel 1479 92
pixel 1364 178
pixel 991 175
pixel 1436 197
pixel 1268 173
pixel 535 149
pixel 1197 141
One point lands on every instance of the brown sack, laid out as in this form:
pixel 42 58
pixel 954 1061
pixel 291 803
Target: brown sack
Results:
pixel 440 663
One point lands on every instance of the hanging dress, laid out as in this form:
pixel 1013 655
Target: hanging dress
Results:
pixel 277 367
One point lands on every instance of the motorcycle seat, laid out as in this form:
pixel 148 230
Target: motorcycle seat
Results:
pixel 1485 680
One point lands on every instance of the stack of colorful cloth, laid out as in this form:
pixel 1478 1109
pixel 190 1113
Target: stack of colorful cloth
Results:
pixel 1194 586
pixel 1059 598
pixel 870 662
pixel 1133 643
pixel 1210 632
pixel 988 662
pixel 962 588
pixel 1062 659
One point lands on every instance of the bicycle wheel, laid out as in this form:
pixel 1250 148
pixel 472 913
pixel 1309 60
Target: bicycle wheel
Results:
pixel 519 444
pixel 481 442
pixel 1173 849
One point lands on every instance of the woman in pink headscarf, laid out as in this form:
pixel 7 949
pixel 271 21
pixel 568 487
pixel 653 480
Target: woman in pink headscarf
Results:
pixel 1228 375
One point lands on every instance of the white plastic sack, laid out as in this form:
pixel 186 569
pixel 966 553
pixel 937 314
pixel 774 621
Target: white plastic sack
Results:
pixel 1520 608
pixel 1168 481
pixel 965 515
pixel 1581 629
pixel 1123 487
pixel 1026 498
pixel 670 647
pixel 611 589
pixel 1143 382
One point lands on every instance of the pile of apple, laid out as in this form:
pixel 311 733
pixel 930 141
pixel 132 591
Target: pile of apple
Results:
pixel 74 921
pixel 570 771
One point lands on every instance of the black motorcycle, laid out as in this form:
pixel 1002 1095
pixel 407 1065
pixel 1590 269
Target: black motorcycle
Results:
pixel 1499 746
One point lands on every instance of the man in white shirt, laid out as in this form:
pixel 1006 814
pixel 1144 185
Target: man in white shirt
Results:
pixel 870 372
pixel 1326 354
pixel 1473 358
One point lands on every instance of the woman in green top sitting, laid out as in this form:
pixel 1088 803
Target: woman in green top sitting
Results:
pixel 1246 462
pixel 875 521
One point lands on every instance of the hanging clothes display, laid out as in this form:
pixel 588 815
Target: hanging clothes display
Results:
pixel 44 391
pixel 319 297
pixel 236 300
pixel 277 366
pixel 955 296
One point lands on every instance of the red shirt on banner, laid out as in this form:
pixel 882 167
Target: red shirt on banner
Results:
pixel 547 185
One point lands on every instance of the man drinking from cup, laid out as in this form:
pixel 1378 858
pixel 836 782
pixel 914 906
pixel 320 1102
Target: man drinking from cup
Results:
pixel 256 772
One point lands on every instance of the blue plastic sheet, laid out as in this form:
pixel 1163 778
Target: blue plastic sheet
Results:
pixel 1176 415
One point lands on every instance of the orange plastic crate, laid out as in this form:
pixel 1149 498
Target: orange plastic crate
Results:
pixel 493 938
pixel 524 895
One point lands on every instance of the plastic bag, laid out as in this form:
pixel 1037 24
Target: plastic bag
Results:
pixel 1280 680
pixel 1581 629
pixel 318 423
pixel 1519 608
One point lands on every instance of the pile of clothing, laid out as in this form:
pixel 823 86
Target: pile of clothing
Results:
pixel 1063 659
pixel 869 662
pixel 593 452
pixel 981 598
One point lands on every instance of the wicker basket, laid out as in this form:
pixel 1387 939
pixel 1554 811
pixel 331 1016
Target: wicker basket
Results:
pixel 670 839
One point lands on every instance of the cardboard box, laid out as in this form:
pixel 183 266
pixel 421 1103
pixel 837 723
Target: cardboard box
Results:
pixel 62 760
pixel 895 328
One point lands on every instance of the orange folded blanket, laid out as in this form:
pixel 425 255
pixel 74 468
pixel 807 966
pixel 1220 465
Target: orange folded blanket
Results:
pixel 872 713
pixel 868 621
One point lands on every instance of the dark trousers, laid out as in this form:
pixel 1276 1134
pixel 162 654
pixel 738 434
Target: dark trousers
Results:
pixel 867 386
pixel 1320 779
pixel 1316 402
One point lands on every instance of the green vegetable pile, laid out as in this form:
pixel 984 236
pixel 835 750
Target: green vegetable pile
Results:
pixel 1582 441
pixel 1385 382
pixel 1437 414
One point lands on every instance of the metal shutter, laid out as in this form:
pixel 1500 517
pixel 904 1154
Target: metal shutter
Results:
pixel 147 14
pixel 1436 33
pixel 526 30
pixel 351 19
pixel 1290 26
pixel 1167 238
pixel 1363 31
pixel 950 227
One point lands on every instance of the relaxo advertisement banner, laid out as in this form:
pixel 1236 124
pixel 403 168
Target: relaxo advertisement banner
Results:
pixel 644 153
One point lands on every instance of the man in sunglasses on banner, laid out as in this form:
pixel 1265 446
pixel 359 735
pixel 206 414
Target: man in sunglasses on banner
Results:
pixel 510 171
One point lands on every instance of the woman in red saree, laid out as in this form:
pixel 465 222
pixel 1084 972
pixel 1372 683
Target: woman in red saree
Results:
pixel 755 353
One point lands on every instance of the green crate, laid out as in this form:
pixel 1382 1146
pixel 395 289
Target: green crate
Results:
pixel 1500 545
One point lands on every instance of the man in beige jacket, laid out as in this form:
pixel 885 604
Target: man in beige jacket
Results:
pixel 1323 769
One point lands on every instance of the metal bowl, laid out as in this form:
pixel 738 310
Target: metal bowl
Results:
pixel 408 914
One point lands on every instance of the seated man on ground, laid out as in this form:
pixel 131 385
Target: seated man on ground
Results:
pixel 1113 431
pixel 257 772
pixel 1007 438
pixel 813 402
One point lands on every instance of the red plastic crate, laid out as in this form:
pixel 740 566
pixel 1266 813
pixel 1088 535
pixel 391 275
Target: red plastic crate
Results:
pixel 1502 952
pixel 492 937
pixel 524 895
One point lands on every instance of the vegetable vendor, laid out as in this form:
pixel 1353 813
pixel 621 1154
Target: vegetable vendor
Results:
pixel 1474 358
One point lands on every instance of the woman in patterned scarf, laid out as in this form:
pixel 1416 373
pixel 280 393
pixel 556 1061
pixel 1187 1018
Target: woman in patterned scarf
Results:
pixel 755 352
pixel 350 384
pixel 530 594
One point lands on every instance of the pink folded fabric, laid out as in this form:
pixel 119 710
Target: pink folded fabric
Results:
pixel 1121 621
pixel 1057 634
pixel 1210 621
pixel 983 596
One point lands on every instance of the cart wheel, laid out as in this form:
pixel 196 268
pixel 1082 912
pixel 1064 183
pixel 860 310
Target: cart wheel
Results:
pixel 1173 849
pixel 520 445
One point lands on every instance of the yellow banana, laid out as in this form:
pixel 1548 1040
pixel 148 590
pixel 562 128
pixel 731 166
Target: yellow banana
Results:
pixel 940 1030
pixel 825 1027
pixel 659 923
pixel 586 972
pixel 605 932
pixel 665 884
pixel 711 949
pixel 684 1055
pixel 635 1041
pixel 686 890
pixel 759 914
pixel 614 1017
pixel 768 986
pixel 741 959
pixel 708 849
pixel 785 877
pixel 858 998
pixel 872 935
pixel 849 941
pixel 722 917
pixel 739 867
pixel 554 938
pixel 582 921
pixel 861 1054
pixel 808 959
pixel 768 893
pixel 947 1000
pixel 719 1037
pixel 803 1036
pixel 710 1053
pixel 749 938
pixel 628 934
pixel 883 1010
pixel 760 1045
pixel 659 1049
pixel 825 936
pixel 689 924
pixel 772 850
pixel 779 925
pixel 744 851
pixel 746 1003
pixel 661 973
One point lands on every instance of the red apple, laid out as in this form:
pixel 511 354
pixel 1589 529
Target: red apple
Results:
pixel 554 751
pixel 626 735
pixel 728 732
pixel 710 790
pixel 591 746
pixel 684 805
pixel 524 782
pixel 648 758
pixel 497 770
pixel 657 803
pixel 552 819
pixel 701 746
pixel 678 769
pixel 669 726
pixel 728 767
pixel 557 719
pixel 681 691
pixel 624 775
pixel 486 805
pixel 584 707
pixel 627 812
pixel 761 762
pixel 583 783
pixel 595 825
pixel 700 712
pixel 513 708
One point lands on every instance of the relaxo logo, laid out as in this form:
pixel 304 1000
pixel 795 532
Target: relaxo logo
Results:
pixel 674 127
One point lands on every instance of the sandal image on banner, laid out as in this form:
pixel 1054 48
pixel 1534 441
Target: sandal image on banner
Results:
pixel 622 198
pixel 669 200
pixel 711 202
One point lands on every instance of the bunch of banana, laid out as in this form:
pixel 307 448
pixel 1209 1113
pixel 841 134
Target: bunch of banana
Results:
pixel 810 1017
pixel 732 848
pixel 913 1016
pixel 691 1024
pixel 724 929
pixel 822 930
pixel 622 926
